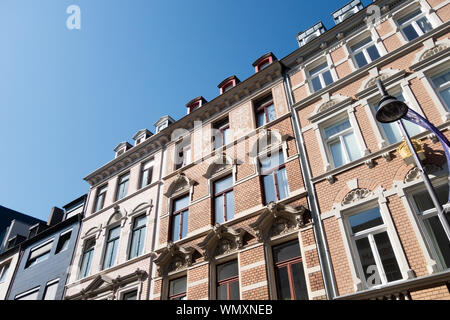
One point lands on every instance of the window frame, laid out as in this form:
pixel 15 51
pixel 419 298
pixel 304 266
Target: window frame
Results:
pixel 185 150
pixel 133 230
pixel 260 108
pixel 222 126
pixel 412 22
pixel 181 212
pixel 151 164
pixel 62 249
pixel 319 74
pixel 47 254
pixel 178 295
pixel 4 268
pixel 223 194
pixel 50 283
pixel 107 243
pixel 120 183
pixel 272 171
pixel 101 191
pixel 363 49
pixel 227 281
pixel 91 251
pixel 441 87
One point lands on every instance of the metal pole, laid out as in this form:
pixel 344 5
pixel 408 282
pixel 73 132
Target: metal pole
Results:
pixel 426 180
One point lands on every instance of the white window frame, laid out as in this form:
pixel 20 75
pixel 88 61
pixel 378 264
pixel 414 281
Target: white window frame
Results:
pixel 319 74
pixel 83 251
pixel 4 268
pixel 412 21
pixel 442 87
pixel 27 293
pixel 49 284
pixel 131 231
pixel 105 245
pixel 363 49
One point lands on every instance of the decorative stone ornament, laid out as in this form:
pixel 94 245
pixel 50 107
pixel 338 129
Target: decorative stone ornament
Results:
pixel 356 195
pixel 221 240
pixel 173 258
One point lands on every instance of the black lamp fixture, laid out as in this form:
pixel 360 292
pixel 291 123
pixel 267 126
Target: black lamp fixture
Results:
pixel 390 109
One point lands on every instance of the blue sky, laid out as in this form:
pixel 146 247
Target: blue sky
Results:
pixel 68 97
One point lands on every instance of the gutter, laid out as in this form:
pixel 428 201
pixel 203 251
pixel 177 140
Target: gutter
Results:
pixel 319 234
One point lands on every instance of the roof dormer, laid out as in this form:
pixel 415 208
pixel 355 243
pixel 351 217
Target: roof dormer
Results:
pixel 347 11
pixel 306 36
pixel 141 135
pixel 122 148
pixel 228 83
pixel 195 104
pixel 264 61
pixel 163 123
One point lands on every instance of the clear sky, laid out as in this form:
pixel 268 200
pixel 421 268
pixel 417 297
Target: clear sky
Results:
pixel 68 97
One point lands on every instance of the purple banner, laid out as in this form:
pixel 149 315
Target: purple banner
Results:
pixel 421 121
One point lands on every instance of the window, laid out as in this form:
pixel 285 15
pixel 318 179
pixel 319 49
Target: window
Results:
pixel 264 64
pixel 39 254
pixel 180 218
pixel 146 173
pixel 221 133
pixel 228 281
pixel 4 271
pixel 392 131
pixel 440 246
pixel 123 186
pixel 224 199
pixel 341 143
pixel 63 242
pixel 111 247
pixel 377 261
pixel 274 177
pixel 88 252
pixel 414 25
pixel 138 236
pixel 320 77
pixel 177 289
pixel 100 199
pixel 364 52
pixel 51 290
pixel 29 295
pixel 183 151
pixel 131 295
pixel 265 111
pixel 289 274
pixel 441 83
pixel 227 87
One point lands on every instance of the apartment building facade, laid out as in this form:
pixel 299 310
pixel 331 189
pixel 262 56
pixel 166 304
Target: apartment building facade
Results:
pixel 113 257
pixel 385 240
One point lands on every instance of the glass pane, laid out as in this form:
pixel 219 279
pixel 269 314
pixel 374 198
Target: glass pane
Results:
pixel 275 160
pixel 86 264
pixel 144 178
pixel 327 78
pixel 387 257
pixel 177 286
pixel 315 70
pixel 230 205
pixel 130 295
pixel 439 239
pixel 176 227
pixel 184 230
pixel 260 118
pixel 222 292
pixel 352 146
pixel 373 52
pixel 271 115
pixel 392 132
pixel 286 251
pixel 181 203
pixel 283 188
pixel 410 33
pixel 424 24
pixel 336 128
pixel 223 184
pixel 269 188
pixel 298 277
pixel 218 206
pixel 227 135
pixel 227 270
pixel 114 233
pixel 423 199
pixel 365 220
pixel 337 154
pixel 367 262
pixel 234 290
pixel 409 17
pixel 441 79
pixel 360 59
pixel 50 291
pixel 411 128
pixel 283 287
pixel 316 83
pixel 361 44
pixel 445 95
pixel 140 222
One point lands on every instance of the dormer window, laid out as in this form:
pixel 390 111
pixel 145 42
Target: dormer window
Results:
pixel 122 148
pixel 141 135
pixel 228 84
pixel 195 104
pixel 347 11
pixel 306 36
pixel 264 61
pixel 163 123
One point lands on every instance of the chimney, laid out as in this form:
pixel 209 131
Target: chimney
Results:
pixel 347 11
pixel 306 36
pixel 56 216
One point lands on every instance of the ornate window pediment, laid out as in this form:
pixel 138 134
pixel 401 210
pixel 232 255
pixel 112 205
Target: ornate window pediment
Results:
pixel 414 173
pixel 221 240
pixel 173 258
pixel 356 195
pixel 329 104
pixel 220 163
pixel 180 184
pixel 267 140
pixel 279 219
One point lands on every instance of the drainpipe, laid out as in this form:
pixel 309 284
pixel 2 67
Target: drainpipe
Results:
pixel 319 234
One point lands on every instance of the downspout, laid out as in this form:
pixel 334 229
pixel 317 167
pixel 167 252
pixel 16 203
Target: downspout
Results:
pixel 319 234
pixel 155 221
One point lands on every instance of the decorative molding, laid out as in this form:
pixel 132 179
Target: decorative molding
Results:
pixel 221 240
pixel 181 183
pixel 356 195
pixel 173 258
pixel 414 174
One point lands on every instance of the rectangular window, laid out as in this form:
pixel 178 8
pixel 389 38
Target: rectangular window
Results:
pixel 111 247
pixel 131 295
pixel 320 77
pixel 438 241
pixel 364 52
pixel 289 274
pixel 441 83
pixel 4 271
pixel 50 290
pixel 122 187
pixel 183 154
pixel 63 242
pixel 39 254
pixel 138 236
pixel 177 289
pixel 146 173
pixel 100 199
pixel 30 295
pixel 341 143
pixel 264 110
pixel 414 25
pixel 221 133
pixel 224 199
pixel 273 173
pixel 392 131
pixel 228 281
pixel 180 215
pixel 88 252
pixel 373 246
